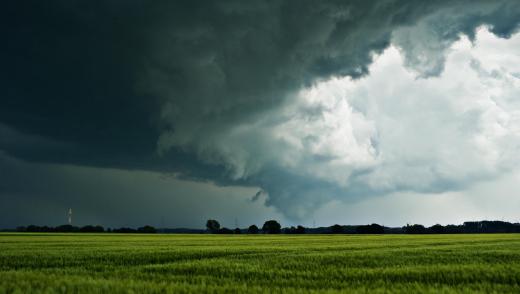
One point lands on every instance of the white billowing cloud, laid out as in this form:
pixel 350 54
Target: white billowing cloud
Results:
pixel 322 136
pixel 387 132
pixel 444 132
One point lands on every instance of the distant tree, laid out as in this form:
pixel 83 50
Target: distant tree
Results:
pixel 66 228
pixel 238 231
pixel 86 229
pixel 472 227
pixel 294 230
pixel 212 225
pixel 124 230
pixel 271 227
pixel 32 228
pixel 453 229
pixel 91 229
pixel 370 229
pixel 224 231
pixel 437 229
pixel 415 229
pixel 253 229
pixel 147 230
pixel 291 230
pixel 490 227
pixel 336 229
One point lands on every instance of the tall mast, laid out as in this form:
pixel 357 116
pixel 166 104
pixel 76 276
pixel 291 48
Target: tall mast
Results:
pixel 70 216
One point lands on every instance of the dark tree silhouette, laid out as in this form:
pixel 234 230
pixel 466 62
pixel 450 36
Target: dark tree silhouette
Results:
pixel 147 230
pixel 33 228
pixel 291 230
pixel 66 228
pixel 271 227
pixel 415 229
pixel 370 229
pixel 300 230
pixel 124 230
pixel 212 225
pixel 91 229
pixel 294 230
pixel 453 229
pixel 253 229
pixel 437 229
pixel 224 231
pixel 238 231
pixel 336 229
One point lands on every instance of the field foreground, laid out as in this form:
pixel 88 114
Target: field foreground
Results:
pixel 110 263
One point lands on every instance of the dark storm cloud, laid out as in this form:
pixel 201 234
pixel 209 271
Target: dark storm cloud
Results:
pixel 35 193
pixel 163 85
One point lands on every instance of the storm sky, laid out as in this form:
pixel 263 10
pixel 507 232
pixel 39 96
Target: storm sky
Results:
pixel 171 112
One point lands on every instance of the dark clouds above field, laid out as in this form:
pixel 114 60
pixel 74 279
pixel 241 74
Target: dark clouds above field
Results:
pixel 309 102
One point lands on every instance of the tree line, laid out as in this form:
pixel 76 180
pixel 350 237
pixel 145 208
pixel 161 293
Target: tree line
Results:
pixel 84 229
pixel 274 227
pixel 269 227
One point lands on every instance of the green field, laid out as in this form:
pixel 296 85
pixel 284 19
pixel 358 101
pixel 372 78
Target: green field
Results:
pixel 110 263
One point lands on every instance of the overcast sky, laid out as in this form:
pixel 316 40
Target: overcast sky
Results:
pixel 171 112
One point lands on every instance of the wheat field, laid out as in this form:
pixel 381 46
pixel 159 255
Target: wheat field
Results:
pixel 160 263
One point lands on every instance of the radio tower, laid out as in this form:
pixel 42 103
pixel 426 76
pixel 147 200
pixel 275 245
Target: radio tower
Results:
pixel 70 216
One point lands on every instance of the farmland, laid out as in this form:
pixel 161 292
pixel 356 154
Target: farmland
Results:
pixel 119 263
